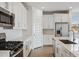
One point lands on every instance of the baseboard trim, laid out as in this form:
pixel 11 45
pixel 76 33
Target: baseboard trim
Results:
pixel 47 45
pixel 44 46
pixel 38 47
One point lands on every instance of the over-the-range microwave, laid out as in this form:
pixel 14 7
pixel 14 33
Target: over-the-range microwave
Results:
pixel 6 18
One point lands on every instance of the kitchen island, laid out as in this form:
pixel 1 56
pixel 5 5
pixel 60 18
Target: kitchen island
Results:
pixel 65 50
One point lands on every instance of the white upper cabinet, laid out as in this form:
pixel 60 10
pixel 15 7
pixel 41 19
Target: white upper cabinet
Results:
pixel 2 4
pixel 10 7
pixel 65 17
pixel 20 15
pixel 58 17
pixel 45 22
pixel 48 22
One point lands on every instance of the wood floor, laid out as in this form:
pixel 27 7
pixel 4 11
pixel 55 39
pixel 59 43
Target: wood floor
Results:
pixel 46 51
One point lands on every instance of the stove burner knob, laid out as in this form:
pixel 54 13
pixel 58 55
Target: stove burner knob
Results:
pixel 12 52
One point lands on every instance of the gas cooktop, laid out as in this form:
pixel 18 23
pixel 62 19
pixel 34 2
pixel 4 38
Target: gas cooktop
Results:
pixel 10 45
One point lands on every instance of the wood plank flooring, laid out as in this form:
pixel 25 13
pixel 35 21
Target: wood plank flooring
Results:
pixel 46 51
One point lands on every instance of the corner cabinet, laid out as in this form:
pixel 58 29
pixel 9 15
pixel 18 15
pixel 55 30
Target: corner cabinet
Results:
pixel 20 14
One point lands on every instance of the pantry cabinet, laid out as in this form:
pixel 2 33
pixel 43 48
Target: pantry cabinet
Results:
pixel 20 14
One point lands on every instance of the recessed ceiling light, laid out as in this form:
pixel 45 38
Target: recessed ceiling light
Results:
pixel 70 7
pixel 43 7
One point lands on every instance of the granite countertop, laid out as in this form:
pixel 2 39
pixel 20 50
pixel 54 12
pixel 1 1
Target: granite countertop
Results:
pixel 73 48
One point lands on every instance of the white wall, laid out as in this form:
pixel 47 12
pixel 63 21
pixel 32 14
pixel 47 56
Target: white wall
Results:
pixel 37 27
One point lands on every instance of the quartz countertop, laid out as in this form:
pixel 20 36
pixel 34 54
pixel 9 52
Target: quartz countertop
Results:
pixel 73 48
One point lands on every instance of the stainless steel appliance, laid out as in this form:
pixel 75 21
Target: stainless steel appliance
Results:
pixel 61 29
pixel 6 18
pixel 15 48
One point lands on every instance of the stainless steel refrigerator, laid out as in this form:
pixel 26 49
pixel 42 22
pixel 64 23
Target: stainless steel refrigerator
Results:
pixel 61 29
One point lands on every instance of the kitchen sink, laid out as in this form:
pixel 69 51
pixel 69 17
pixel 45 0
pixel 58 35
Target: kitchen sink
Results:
pixel 67 42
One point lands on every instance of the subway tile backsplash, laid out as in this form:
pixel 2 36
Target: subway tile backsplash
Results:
pixel 2 35
pixel 48 31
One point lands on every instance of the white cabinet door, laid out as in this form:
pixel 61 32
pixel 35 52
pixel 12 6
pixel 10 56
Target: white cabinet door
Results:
pixel 48 22
pixel 11 6
pixel 61 51
pixel 20 14
pixel 45 22
pixel 57 17
pixel 51 22
pixel 65 53
pixel 61 17
pixel 72 55
pixel 2 4
pixel 16 10
pixel 24 18
pixel 27 48
pixel 65 18
pixel 58 50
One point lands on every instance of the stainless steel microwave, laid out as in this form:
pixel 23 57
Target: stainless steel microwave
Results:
pixel 6 18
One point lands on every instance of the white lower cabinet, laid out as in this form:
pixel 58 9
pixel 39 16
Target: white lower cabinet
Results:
pixel 73 55
pixel 66 53
pixel 27 48
pixel 61 51
pixel 20 12
pixel 58 50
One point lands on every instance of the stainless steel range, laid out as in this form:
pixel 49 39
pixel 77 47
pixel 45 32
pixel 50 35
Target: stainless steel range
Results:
pixel 12 48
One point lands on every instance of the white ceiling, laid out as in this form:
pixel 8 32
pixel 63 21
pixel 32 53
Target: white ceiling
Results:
pixel 53 6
